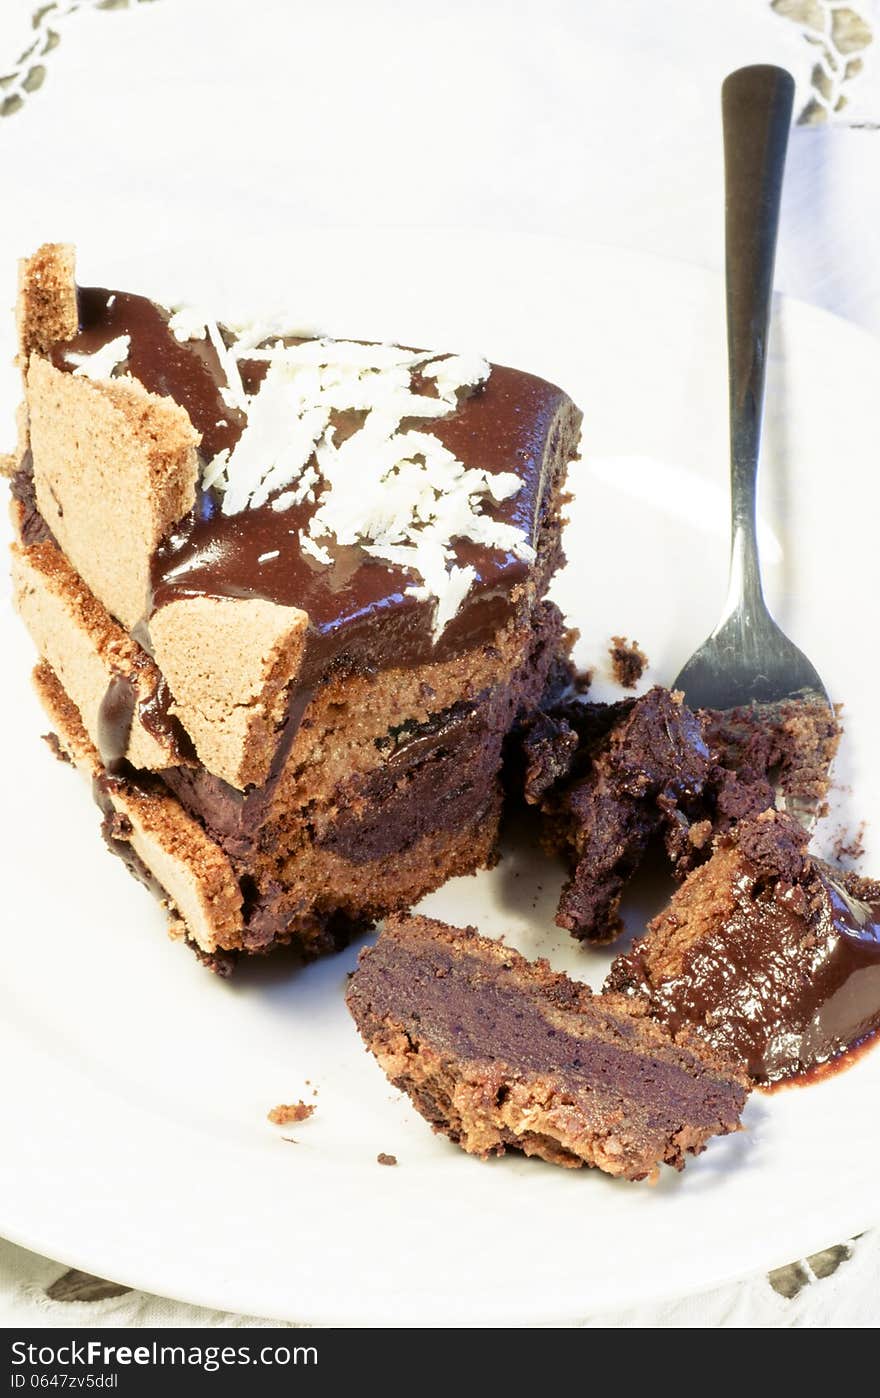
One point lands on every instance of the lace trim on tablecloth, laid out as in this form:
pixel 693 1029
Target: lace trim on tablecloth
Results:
pixel 48 22
pixel 841 34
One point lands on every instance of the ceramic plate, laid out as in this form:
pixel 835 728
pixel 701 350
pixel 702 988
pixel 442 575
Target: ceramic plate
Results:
pixel 135 1085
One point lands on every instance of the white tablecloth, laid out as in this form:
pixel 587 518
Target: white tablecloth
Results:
pixel 533 115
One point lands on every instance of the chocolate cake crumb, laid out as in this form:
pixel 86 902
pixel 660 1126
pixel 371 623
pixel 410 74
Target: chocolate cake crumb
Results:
pixel 762 747
pixel 850 847
pixel 384 1159
pixel 53 743
pixel 220 963
pixel 628 661
pixel 499 1053
pixel 284 1115
pixel 644 778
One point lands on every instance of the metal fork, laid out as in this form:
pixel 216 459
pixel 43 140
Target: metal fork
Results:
pixel 748 659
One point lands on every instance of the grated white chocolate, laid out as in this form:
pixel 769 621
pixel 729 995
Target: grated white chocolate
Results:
pixel 321 555
pixel 400 494
pixel 102 362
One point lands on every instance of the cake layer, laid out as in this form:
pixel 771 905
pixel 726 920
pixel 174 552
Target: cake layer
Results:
pixel 361 735
pixel 320 898
pixel 365 736
pixel 365 816
pixel 433 787
pixel 764 953
pixel 96 661
pixel 500 1053
pixel 162 845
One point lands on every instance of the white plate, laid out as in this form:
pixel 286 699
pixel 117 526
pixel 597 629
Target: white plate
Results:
pixel 135 1085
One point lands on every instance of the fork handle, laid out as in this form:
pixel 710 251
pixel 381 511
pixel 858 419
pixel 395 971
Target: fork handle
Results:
pixel 756 107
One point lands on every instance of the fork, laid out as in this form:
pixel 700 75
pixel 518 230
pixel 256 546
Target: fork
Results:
pixel 748 659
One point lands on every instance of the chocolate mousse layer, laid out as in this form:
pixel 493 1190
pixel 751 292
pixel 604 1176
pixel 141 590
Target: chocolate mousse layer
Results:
pixel 765 953
pixel 500 1053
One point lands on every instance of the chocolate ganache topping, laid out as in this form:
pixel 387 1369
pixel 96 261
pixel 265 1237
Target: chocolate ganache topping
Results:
pixel 514 422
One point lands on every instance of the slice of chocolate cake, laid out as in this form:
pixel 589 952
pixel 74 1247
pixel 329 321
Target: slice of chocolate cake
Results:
pixel 766 953
pixel 295 584
pixel 500 1053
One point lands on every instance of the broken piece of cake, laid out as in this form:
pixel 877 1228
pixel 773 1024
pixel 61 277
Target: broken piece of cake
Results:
pixel 766 953
pixel 608 779
pixel 288 595
pixel 500 1053
pixel 633 770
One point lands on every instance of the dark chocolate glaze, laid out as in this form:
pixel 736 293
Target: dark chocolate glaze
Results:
pixel 32 527
pixel 188 372
pixel 117 712
pixel 788 982
pixel 515 423
pixel 115 717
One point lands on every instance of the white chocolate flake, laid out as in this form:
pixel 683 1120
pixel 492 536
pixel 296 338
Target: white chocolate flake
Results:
pixel 398 492
pixel 188 323
pixel 456 371
pixel 103 361
pixel 314 550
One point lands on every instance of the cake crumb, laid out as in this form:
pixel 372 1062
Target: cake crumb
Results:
pixel 850 847
pixel 53 743
pixel 628 661
pixel 283 1115
pixel 384 1159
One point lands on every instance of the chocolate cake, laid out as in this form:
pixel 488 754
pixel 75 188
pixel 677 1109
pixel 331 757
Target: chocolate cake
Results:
pixel 499 1053
pixel 287 592
pixel 765 952
pixel 608 779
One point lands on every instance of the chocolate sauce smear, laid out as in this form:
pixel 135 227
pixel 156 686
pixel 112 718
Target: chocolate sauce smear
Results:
pixel 115 717
pixel 514 424
pixel 789 982
pixel 119 707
